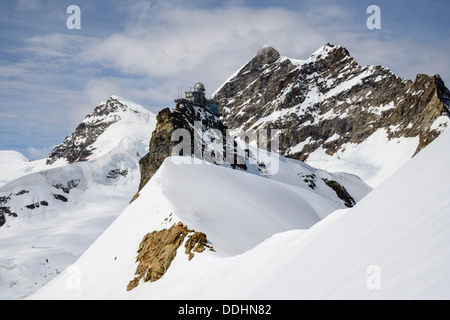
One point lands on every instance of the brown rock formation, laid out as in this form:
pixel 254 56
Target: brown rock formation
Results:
pixel 161 144
pixel 158 249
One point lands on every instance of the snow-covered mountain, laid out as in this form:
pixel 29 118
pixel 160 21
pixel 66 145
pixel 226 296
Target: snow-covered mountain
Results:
pixel 335 114
pixel 52 209
pixel 393 244
pixel 115 120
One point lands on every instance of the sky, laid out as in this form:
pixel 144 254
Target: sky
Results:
pixel 51 76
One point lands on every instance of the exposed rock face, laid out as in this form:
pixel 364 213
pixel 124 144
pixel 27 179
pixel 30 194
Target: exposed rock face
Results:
pixel 158 249
pixel 198 122
pixel 36 198
pixel 71 184
pixel 341 192
pixel 329 101
pixel 60 197
pixel 256 85
pixel 4 210
pixel 196 243
pixel 160 144
pixel 78 146
pixel 2 216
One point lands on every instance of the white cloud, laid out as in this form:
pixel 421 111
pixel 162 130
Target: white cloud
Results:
pixel 38 153
pixel 56 45
pixel 182 45
pixel 95 91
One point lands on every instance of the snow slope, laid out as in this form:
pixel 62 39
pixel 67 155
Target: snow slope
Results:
pixel 62 208
pixel 300 174
pixel 393 244
pixel 13 165
pixel 236 210
pixel 373 160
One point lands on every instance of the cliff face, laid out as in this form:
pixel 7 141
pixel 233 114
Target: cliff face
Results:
pixel 328 103
pixel 160 144
pixel 201 126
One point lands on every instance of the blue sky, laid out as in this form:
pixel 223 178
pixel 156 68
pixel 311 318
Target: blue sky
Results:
pixel 51 77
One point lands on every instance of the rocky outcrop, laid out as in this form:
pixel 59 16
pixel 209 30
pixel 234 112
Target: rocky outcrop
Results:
pixel 196 243
pixel 255 85
pixel 160 144
pixel 197 121
pixel 71 184
pixel 34 199
pixel 5 211
pixel 2 218
pixel 329 101
pixel 158 249
pixel 341 192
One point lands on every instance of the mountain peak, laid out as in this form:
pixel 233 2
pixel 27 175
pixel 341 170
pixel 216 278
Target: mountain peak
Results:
pixel 81 144
pixel 327 47
pixel 439 82
pixel 267 50
pixel 326 50
pixel 265 55
pixel 436 82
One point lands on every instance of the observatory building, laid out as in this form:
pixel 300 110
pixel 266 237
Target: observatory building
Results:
pixel 197 97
